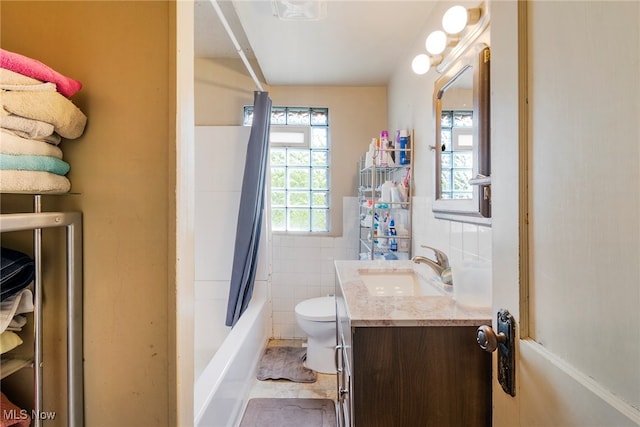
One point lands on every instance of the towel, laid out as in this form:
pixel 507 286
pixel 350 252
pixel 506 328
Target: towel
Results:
pixel 21 418
pixel 11 143
pixel 15 81
pixel 17 271
pixel 37 70
pixel 8 341
pixel 29 128
pixel 49 107
pixel 17 323
pixel 33 163
pixel 20 303
pixel 33 182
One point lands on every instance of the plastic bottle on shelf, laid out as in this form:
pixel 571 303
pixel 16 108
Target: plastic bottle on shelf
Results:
pixel 393 243
pixel 386 190
pixel 403 157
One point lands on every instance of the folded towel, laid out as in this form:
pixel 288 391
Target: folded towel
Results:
pixel 20 303
pixel 17 271
pixel 49 107
pixel 8 341
pixel 11 143
pixel 33 163
pixel 21 418
pixel 17 323
pixel 37 70
pixel 33 182
pixel 29 128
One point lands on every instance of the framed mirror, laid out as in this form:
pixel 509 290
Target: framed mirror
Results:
pixel 463 157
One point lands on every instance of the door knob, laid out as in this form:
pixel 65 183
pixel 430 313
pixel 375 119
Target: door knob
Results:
pixel 504 342
pixel 488 340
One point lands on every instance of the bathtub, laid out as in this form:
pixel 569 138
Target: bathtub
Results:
pixel 222 389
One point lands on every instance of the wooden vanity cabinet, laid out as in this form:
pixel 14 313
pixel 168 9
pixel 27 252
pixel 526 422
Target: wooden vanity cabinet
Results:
pixel 411 376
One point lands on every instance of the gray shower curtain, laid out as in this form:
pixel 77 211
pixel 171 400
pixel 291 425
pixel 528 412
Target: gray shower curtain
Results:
pixel 252 202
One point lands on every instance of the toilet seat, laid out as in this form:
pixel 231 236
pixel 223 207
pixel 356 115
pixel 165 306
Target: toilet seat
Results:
pixel 322 309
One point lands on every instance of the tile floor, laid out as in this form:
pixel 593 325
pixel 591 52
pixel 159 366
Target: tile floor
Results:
pixel 323 388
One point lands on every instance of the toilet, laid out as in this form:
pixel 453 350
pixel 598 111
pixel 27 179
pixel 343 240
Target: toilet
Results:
pixel 317 318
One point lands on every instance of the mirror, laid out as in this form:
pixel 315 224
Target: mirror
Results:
pixel 463 161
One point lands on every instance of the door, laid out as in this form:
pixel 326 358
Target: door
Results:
pixel 566 209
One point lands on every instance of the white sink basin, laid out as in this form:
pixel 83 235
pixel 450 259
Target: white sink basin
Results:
pixel 397 283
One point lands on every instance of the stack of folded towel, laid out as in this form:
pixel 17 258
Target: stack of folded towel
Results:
pixel 35 114
pixel 17 272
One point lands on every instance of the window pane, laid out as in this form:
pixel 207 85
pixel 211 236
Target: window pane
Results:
pixel 298 157
pixel 319 137
pixel 319 116
pixel 278 116
pixel 298 178
pixel 278 222
pixel 319 158
pixel 298 116
pixel 319 220
pixel 446 121
pixel 461 179
pixel 278 198
pixel 248 116
pixel 445 160
pixel 445 138
pixel 320 199
pixel 320 178
pixel 463 159
pixel 445 180
pixel 463 119
pixel 298 219
pixel 278 157
pixel 298 198
pixel 277 178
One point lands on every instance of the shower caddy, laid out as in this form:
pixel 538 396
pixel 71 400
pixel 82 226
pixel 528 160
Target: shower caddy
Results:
pixel 370 179
pixel 36 222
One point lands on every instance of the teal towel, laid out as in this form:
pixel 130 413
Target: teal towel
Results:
pixel 33 163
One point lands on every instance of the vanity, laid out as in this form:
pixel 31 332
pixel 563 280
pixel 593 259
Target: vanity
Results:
pixel 407 353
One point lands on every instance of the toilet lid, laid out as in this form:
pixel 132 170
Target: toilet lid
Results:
pixel 321 309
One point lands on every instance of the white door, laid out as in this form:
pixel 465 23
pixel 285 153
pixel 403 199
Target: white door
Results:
pixel 566 209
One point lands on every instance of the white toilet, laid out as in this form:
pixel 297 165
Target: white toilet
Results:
pixel 317 318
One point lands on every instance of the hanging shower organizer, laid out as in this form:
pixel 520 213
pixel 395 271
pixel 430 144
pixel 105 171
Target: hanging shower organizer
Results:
pixel 36 222
pixel 374 240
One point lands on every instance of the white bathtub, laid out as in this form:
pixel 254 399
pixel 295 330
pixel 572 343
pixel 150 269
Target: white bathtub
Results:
pixel 222 389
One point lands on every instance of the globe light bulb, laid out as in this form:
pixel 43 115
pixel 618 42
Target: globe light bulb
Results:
pixel 455 19
pixel 421 64
pixel 436 42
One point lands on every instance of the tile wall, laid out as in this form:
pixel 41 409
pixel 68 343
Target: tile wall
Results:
pixel 302 268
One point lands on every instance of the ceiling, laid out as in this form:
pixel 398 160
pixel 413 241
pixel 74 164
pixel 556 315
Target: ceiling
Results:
pixel 359 43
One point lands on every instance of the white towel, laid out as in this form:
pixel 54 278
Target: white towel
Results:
pixel 48 107
pixel 30 182
pixel 17 323
pixel 28 128
pixel 11 143
pixel 9 77
pixel 20 303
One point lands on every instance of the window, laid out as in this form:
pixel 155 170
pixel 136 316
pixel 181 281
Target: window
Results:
pixel 299 157
pixel 457 154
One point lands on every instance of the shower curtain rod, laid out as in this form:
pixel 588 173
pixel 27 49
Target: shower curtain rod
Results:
pixel 226 26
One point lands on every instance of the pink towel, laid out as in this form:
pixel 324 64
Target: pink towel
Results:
pixel 12 415
pixel 37 70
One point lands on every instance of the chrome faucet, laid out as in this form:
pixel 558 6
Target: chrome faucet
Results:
pixel 440 265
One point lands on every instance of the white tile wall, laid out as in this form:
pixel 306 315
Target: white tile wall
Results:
pixel 303 268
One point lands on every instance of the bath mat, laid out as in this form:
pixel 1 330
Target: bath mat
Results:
pixel 289 413
pixel 285 363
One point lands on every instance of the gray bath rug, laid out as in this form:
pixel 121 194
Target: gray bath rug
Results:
pixel 285 363
pixel 289 413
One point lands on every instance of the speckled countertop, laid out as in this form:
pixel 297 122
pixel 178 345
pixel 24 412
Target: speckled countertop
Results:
pixel 365 309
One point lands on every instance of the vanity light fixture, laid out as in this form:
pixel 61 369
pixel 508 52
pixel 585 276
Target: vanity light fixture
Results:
pixel 458 33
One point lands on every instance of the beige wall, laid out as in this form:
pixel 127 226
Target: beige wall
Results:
pixel 356 114
pixel 122 173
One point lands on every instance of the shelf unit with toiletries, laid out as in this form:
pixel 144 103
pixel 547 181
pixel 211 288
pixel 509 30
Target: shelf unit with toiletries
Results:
pixel 384 199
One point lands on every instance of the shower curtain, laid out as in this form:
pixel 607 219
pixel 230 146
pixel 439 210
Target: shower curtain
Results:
pixel 252 202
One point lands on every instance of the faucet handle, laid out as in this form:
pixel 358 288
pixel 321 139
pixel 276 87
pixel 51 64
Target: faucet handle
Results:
pixel 441 257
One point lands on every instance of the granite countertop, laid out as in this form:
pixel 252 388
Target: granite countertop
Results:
pixel 365 309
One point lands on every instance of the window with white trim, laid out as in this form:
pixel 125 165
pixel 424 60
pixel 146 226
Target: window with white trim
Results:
pixel 299 161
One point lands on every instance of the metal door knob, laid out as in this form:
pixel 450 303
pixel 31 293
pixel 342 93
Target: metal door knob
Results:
pixel 488 340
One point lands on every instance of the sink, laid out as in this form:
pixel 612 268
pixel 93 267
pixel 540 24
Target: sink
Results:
pixel 397 283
